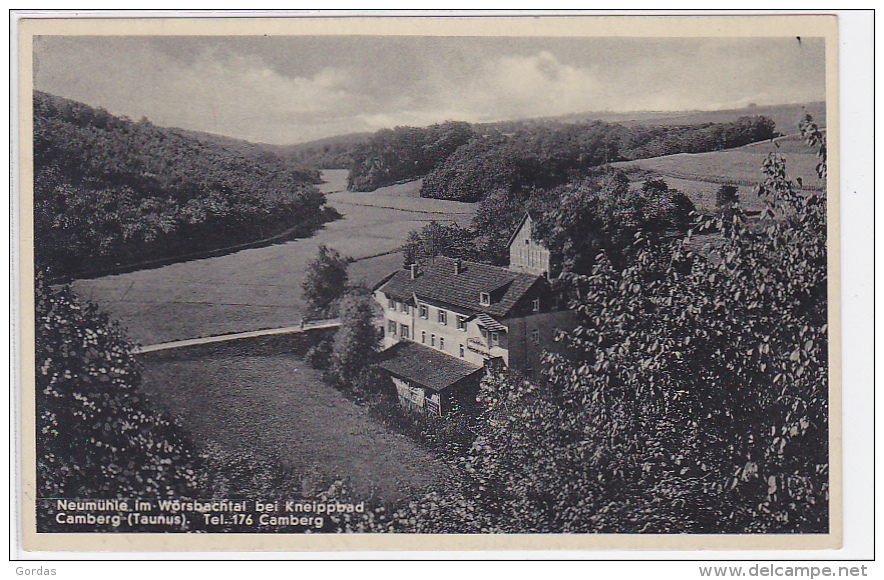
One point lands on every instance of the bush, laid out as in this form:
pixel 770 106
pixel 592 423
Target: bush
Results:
pixel 319 355
pixel 325 282
pixel 97 437
pixel 451 435
pixel 355 343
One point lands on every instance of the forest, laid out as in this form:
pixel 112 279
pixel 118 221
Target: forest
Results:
pixel 465 162
pixel 110 191
pixel 329 153
pixel 403 154
pixel 691 397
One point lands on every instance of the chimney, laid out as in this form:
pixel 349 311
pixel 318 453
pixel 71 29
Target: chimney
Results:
pixel 413 271
pixel 458 267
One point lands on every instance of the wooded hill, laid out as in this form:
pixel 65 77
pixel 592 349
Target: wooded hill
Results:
pixel 110 191
pixel 464 163
pixel 329 153
pixel 337 152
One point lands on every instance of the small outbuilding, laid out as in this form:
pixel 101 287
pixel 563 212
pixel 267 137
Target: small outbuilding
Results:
pixel 429 381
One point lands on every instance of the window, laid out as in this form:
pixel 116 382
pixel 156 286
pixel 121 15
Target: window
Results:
pixel 433 340
pixel 536 304
pixel 494 338
pixel 423 337
pixel 425 311
pixel 461 351
pixel 484 332
pixel 535 336
pixel 404 329
pixel 391 304
pixel 391 328
pixel 443 318
pixel 462 323
pixel 433 407
pixel 404 307
pixel 484 298
pixel 441 343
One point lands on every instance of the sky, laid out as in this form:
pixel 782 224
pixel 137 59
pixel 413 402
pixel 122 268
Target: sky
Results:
pixel 285 90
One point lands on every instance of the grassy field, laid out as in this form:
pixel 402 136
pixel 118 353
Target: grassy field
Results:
pixel 261 287
pixel 275 406
pixel 700 175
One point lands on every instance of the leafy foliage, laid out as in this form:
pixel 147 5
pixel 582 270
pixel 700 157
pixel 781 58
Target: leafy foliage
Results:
pixel 575 220
pixel 325 281
pixel 404 153
pixel 692 397
pixel 547 155
pixel 96 435
pixel 110 191
pixel 355 344
pixel 644 142
pixel 435 239
pixel 578 220
pixel 541 157
pixel 497 217
pixel 726 197
pixel 330 153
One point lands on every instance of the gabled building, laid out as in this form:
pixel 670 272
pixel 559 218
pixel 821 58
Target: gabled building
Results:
pixel 445 321
pixel 529 256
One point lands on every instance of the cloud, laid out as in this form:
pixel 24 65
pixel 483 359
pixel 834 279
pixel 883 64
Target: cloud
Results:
pixel 525 85
pixel 240 95
pixel 215 91
pixel 291 89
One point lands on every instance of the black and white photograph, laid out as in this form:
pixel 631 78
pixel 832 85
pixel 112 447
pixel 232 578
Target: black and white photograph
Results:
pixel 563 281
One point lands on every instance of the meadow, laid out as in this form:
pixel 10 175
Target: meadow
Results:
pixel 700 175
pixel 273 405
pixel 261 287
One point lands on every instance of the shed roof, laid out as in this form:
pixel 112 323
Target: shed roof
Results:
pixel 490 323
pixel 426 366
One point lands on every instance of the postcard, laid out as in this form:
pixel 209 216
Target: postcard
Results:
pixel 337 283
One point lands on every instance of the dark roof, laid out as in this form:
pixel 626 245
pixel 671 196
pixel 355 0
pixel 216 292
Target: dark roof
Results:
pixel 490 323
pixel 438 282
pixel 383 281
pixel 425 366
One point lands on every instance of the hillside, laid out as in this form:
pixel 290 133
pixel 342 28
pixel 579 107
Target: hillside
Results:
pixel 329 153
pixel 109 191
pixel 700 175
pixel 343 151
pixel 785 117
pixel 547 155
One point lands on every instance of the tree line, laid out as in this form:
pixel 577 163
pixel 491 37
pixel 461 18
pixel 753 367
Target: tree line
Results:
pixel 593 212
pixel 109 191
pixel 404 153
pixel 691 397
pixel 465 162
